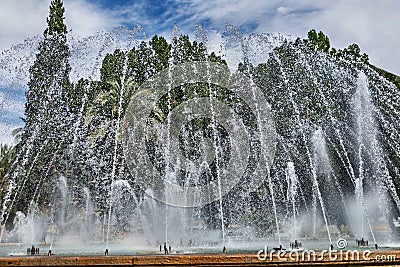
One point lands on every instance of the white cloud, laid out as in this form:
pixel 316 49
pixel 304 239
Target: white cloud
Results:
pixel 282 10
pixel 85 18
pixel 23 19
pixel 374 25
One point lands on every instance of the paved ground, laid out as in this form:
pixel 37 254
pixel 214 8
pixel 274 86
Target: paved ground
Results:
pixel 341 258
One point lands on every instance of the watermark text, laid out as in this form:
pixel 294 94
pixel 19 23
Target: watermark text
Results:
pixel 323 255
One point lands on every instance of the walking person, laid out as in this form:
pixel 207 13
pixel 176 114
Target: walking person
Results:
pixel 165 248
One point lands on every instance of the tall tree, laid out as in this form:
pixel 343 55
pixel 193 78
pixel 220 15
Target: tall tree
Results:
pixel 46 111
pixel 49 74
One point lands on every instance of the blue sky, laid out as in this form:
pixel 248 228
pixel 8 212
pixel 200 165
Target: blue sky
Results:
pixel 374 25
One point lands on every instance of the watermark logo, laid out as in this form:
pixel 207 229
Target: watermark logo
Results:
pixel 196 130
pixel 323 255
pixel 341 243
pixel 313 255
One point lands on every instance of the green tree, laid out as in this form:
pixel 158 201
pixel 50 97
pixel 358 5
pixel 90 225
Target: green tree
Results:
pixel 122 73
pixel 55 21
pixel 353 54
pixel 320 40
pixel 162 52
pixel 46 132
pixel 49 74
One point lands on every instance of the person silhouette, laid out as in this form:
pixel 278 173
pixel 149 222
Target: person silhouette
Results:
pixel 165 248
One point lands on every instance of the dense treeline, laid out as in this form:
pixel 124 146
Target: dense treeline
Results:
pixel 70 129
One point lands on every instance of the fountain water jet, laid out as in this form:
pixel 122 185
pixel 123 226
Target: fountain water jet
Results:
pixel 292 185
pixel 244 50
pixel 116 141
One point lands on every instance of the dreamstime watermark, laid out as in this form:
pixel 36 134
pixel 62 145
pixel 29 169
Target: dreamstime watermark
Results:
pixel 240 129
pixel 323 255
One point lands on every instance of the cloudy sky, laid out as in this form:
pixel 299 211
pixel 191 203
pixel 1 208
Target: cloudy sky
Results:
pixel 374 25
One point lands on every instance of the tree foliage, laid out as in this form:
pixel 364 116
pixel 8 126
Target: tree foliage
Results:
pixel 47 117
pixel 321 41
pixel 55 21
